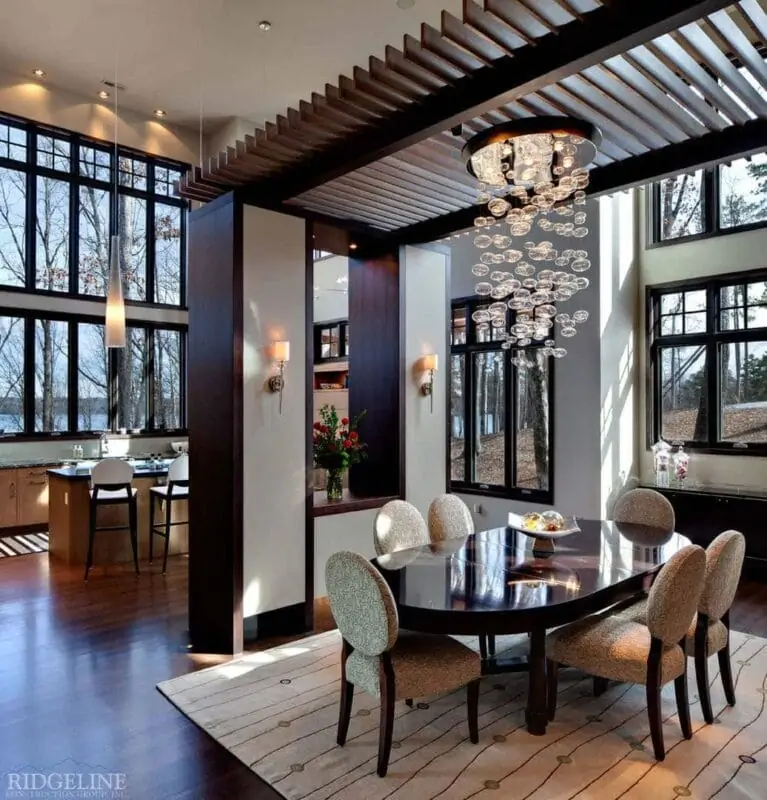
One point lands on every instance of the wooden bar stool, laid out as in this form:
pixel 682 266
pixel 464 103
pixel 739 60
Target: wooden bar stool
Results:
pixel 112 484
pixel 177 488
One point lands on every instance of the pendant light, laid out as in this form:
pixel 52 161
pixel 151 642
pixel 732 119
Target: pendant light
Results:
pixel 115 313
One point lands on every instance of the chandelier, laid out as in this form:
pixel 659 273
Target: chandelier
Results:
pixel 531 173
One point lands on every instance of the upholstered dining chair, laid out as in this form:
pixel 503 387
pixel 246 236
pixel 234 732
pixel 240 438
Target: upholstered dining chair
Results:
pixel 645 507
pixel 709 632
pixel 387 663
pixel 397 526
pixel 612 646
pixel 449 518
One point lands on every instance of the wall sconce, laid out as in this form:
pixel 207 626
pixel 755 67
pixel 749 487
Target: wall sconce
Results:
pixel 280 355
pixel 430 364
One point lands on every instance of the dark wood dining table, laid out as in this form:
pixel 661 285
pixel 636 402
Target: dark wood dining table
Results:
pixel 491 583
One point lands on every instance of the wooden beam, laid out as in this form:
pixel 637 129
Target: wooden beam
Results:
pixel 599 35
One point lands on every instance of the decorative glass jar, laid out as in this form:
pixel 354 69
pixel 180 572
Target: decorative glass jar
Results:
pixel 681 465
pixel 661 451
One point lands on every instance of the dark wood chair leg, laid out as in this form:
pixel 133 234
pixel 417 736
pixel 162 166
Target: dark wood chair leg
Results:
pixel 701 667
pixel 483 647
pixel 91 537
pixel 347 697
pixel 725 666
pixel 133 522
pixel 472 708
pixel 683 705
pixel 168 517
pixel 600 686
pixel 409 702
pixel 388 691
pixel 151 526
pixel 491 645
pixel 536 713
pixel 552 677
pixel 653 688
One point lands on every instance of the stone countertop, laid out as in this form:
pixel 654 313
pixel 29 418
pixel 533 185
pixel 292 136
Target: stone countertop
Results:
pixel 141 469
pixel 21 463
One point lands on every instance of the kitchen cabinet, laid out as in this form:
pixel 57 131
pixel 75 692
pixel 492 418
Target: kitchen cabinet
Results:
pixel 32 507
pixel 8 498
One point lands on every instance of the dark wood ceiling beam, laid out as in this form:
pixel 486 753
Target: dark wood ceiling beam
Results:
pixel 430 61
pixel 736 141
pixel 419 190
pixel 343 104
pixel 395 99
pixel 383 73
pixel 497 31
pixel 396 61
pixel 393 168
pixel 604 32
pixel 454 54
pixel 739 43
pixel 517 16
pixel 464 36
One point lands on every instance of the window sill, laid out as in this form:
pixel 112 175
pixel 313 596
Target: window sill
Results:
pixel 521 495
pixel 91 298
pixel 13 438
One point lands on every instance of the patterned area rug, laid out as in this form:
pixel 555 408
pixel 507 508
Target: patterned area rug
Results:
pixel 277 712
pixel 23 544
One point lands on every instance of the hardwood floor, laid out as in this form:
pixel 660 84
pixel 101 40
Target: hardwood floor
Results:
pixel 79 664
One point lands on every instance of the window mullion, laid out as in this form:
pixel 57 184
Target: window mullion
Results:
pixel 29 375
pixel 72 374
pixel 30 240
pixel 510 402
pixel 469 418
pixel 710 200
pixel 150 379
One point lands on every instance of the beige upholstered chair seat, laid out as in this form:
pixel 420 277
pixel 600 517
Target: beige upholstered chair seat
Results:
pixel 611 646
pixel 423 665
pixel 717 630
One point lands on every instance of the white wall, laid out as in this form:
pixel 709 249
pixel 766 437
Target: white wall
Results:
pixel 331 302
pixel 426 286
pixel 53 106
pixel 352 531
pixel 718 255
pixel 577 458
pixel 618 323
pixel 274 480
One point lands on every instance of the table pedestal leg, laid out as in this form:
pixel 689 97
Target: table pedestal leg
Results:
pixel 535 713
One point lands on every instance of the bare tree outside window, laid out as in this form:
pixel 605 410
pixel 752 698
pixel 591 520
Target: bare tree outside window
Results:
pixel 51 375
pixel 11 374
pixel 92 378
pixel 13 198
pixel 681 205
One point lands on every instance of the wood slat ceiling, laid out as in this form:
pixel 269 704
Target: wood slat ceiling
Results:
pixel 707 76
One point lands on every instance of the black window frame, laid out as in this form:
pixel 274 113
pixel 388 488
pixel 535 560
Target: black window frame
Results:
pixel 469 349
pixel 712 225
pixel 343 340
pixel 30 316
pixel 72 176
pixel 711 339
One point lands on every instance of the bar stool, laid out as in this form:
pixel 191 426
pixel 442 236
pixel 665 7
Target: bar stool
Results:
pixel 112 484
pixel 177 488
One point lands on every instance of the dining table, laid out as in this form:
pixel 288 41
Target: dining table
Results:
pixel 495 582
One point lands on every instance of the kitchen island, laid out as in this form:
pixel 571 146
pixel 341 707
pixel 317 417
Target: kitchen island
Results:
pixel 69 516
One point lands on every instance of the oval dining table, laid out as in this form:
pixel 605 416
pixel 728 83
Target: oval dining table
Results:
pixel 493 583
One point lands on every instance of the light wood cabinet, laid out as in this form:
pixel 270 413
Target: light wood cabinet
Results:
pixel 32 496
pixel 8 498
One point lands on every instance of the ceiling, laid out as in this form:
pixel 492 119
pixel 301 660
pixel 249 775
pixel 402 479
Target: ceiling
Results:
pixel 171 52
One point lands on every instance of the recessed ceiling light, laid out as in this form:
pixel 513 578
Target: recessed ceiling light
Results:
pixel 103 94
pixel 39 73
pixel 265 25
pixel 352 246
pixel 160 113
pixel 405 4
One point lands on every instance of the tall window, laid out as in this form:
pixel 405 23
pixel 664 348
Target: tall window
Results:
pixel 57 376
pixel 709 363
pixel 729 197
pixel 59 241
pixel 500 416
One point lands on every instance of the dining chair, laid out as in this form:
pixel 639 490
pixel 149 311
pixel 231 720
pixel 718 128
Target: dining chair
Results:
pixel 382 660
pixel 397 526
pixel 177 488
pixel 612 646
pixel 709 632
pixel 112 484
pixel 645 507
pixel 449 518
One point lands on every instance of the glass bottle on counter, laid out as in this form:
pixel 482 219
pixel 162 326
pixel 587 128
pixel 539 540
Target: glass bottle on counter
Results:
pixel 661 452
pixel 681 466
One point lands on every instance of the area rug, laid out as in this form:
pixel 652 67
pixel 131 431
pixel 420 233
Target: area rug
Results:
pixel 23 544
pixel 277 712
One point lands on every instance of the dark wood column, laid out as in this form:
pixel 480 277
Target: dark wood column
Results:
pixel 376 322
pixel 214 403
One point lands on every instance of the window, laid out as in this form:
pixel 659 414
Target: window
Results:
pixel 709 364
pixel 147 377
pixel 500 415
pixel 331 341
pixel 60 241
pixel 729 197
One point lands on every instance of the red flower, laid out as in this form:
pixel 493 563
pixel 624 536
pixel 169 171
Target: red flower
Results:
pixel 354 436
pixel 345 421
pixel 347 443
pixel 317 426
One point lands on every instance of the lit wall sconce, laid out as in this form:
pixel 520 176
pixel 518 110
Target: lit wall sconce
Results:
pixel 429 364
pixel 281 355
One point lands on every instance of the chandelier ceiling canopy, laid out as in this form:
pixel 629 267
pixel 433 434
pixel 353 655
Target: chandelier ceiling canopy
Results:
pixel 531 171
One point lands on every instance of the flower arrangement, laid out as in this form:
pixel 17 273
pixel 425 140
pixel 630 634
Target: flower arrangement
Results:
pixel 336 446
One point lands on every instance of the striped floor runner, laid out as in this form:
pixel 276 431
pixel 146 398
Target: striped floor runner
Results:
pixel 277 712
pixel 23 544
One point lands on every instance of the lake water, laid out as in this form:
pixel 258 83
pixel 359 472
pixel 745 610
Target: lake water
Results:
pixel 9 423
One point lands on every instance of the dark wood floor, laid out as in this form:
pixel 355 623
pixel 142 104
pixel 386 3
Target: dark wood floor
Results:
pixel 79 663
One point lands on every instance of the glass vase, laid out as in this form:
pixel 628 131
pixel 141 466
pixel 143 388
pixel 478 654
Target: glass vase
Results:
pixel 334 485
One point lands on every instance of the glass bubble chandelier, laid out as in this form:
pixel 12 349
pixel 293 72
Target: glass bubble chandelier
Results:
pixel 531 173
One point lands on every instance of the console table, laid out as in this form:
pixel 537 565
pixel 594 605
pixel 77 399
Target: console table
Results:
pixel 704 511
